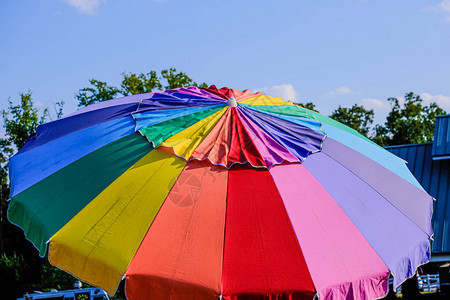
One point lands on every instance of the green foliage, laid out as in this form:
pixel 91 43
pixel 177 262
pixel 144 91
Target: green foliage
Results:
pixel 59 107
pixel 356 117
pixel 23 275
pixel 408 123
pixel 100 91
pixel 139 84
pixel 21 269
pixel 135 84
pixel 21 121
pixel 177 80
pixel 54 278
pixel 381 136
pixel 13 269
pixel 12 266
pixel 308 105
pixel 5 153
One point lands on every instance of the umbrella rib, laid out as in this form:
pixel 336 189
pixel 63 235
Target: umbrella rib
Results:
pixel 321 225
pixel 379 194
pixel 134 118
pixel 224 233
pixel 117 217
pixel 180 253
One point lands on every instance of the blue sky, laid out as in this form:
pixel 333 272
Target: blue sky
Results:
pixel 329 52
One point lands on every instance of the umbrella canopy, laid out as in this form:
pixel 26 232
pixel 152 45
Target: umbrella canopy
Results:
pixel 194 193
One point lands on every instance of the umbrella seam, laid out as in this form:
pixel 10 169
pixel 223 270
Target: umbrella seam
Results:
pixel 303 142
pixel 224 235
pixel 428 235
pixel 115 220
pixel 184 240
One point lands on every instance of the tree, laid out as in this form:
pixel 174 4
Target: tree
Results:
pixel 308 105
pixel 356 117
pixel 21 121
pixel 180 79
pixel 139 84
pixel 5 153
pixel 58 107
pixel 381 136
pixel 134 84
pixel 408 123
pixel 21 268
pixel 100 91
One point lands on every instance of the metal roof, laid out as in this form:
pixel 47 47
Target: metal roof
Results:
pixel 441 143
pixel 434 177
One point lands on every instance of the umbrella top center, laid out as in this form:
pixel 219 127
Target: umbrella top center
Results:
pixel 231 102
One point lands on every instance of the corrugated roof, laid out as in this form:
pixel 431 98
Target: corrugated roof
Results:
pixel 434 177
pixel 441 142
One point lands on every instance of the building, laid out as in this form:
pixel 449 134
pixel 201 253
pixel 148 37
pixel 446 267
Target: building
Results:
pixel 430 164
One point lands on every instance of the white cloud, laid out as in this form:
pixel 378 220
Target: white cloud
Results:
pixel 376 104
pixel 441 100
pixel 343 90
pixel 380 108
pixel 285 91
pixel 443 6
pixel 86 7
pixel 39 104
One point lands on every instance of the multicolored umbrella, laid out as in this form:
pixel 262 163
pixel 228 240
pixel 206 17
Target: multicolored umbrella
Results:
pixel 194 193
